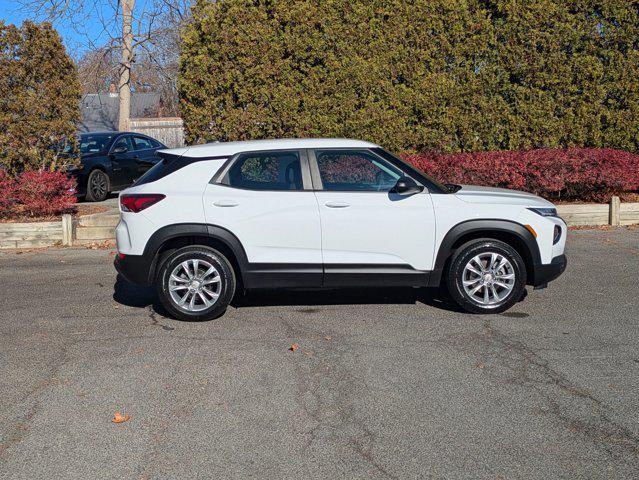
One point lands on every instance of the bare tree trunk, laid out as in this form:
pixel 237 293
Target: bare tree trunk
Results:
pixel 125 65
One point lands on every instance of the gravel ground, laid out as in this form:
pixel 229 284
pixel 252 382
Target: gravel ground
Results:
pixel 385 384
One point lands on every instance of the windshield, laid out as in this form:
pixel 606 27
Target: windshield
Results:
pixel 95 142
pixel 432 184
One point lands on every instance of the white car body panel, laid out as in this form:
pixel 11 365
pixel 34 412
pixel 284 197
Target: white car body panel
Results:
pixel 183 204
pixel 273 226
pixel 377 228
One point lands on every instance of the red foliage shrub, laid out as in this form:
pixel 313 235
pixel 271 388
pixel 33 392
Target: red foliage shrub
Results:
pixel 45 193
pixel 8 188
pixel 570 174
pixel 36 194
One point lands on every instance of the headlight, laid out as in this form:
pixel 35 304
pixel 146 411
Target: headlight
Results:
pixel 545 212
pixel 556 235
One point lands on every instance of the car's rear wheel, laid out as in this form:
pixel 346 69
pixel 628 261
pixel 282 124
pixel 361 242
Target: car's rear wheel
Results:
pixel 486 276
pixel 195 283
pixel 97 186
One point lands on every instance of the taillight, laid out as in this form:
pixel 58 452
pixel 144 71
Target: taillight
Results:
pixel 137 202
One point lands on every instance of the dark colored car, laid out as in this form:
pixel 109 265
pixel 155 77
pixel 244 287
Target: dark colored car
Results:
pixel 112 161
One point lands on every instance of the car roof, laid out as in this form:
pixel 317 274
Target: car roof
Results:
pixel 112 132
pixel 227 149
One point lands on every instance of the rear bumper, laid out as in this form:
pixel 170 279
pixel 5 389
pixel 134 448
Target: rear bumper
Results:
pixel 549 272
pixel 134 268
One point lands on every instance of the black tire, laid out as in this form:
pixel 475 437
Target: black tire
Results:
pixel 457 273
pixel 98 186
pixel 199 253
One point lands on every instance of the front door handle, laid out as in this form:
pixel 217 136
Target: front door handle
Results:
pixel 225 203
pixel 337 205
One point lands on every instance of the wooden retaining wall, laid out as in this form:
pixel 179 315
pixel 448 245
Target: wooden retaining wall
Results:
pixel 629 213
pixel 35 234
pixel 584 214
pixel 613 213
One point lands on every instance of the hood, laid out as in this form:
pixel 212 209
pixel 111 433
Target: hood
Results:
pixel 477 194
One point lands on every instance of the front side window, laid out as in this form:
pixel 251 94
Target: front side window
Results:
pixel 355 170
pixel 266 171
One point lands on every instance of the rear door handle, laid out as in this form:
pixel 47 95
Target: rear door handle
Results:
pixel 337 205
pixel 225 203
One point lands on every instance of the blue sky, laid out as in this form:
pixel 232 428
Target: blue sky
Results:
pixel 75 43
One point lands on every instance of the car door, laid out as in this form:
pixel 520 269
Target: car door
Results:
pixel 266 200
pixel 366 227
pixel 144 154
pixel 123 163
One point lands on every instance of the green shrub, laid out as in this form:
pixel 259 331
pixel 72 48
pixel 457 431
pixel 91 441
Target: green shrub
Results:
pixel 39 97
pixel 436 75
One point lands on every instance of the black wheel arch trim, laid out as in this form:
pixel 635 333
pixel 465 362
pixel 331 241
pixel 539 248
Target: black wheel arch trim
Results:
pixel 169 232
pixel 477 226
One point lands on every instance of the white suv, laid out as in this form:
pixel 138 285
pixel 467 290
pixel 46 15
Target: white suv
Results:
pixel 326 213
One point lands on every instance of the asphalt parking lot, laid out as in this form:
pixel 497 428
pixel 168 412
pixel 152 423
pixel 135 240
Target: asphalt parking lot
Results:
pixel 384 384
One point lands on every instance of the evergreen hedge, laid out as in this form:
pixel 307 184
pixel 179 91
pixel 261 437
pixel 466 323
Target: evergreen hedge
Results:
pixel 39 98
pixel 421 75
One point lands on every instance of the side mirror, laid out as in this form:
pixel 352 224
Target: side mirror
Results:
pixel 118 150
pixel 406 186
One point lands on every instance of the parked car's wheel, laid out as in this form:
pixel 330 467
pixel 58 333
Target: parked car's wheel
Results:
pixel 195 283
pixel 97 186
pixel 486 276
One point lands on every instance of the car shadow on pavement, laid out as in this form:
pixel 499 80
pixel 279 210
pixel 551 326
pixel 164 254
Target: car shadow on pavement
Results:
pixel 131 295
pixel 346 296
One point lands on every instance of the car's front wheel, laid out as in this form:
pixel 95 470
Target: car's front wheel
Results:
pixel 486 276
pixel 195 283
pixel 97 186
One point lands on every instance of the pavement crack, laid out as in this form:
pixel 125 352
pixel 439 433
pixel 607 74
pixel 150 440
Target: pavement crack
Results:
pixel 155 322
pixel 589 417
pixel 16 433
pixel 327 392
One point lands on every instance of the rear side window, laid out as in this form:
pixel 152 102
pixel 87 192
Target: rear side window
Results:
pixel 142 143
pixel 266 171
pixel 166 166
pixel 123 142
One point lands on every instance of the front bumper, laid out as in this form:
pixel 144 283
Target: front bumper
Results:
pixel 549 272
pixel 80 180
pixel 134 268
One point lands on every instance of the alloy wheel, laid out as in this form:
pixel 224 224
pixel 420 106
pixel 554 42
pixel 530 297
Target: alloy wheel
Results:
pixel 195 285
pixel 488 278
pixel 98 185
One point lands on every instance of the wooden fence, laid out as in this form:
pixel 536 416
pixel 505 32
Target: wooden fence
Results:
pixel 169 130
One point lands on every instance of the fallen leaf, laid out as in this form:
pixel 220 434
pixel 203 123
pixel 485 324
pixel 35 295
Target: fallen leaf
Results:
pixel 327 338
pixel 294 347
pixel 480 365
pixel 119 418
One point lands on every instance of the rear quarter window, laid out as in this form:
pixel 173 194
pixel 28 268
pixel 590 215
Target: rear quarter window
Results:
pixel 168 165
